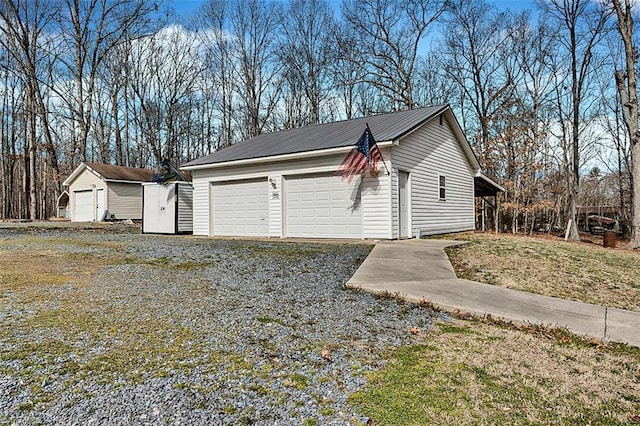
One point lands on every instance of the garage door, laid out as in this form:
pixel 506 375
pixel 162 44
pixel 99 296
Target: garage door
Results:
pixel 85 207
pixel 323 206
pixel 241 208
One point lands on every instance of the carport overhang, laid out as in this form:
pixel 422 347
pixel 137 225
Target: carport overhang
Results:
pixel 486 189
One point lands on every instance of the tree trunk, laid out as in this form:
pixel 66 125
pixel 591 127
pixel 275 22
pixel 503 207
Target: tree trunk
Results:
pixel 626 84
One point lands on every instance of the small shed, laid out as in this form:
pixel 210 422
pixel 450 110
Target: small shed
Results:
pixel 99 192
pixel 167 208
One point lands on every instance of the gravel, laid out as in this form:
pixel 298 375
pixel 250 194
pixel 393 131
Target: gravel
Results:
pixel 185 330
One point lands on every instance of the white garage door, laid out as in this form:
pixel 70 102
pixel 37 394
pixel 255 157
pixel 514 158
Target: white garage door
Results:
pixel 85 206
pixel 323 206
pixel 241 208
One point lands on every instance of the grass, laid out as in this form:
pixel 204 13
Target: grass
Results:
pixel 471 371
pixel 576 271
pixel 474 372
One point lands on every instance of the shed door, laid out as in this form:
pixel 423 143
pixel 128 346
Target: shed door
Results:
pixel 85 206
pixel 323 206
pixel 100 207
pixel 241 208
pixel 158 215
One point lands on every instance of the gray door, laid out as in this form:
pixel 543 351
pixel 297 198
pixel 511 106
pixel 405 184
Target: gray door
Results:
pixel 403 207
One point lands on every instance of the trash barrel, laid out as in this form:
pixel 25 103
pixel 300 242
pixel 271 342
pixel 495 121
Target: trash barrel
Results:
pixel 610 238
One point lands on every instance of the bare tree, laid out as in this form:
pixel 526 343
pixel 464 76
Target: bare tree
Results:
pixel 307 53
pixel 24 26
pixel 254 25
pixel 582 26
pixel 91 29
pixel 626 85
pixel 477 55
pixel 388 33
pixel 213 22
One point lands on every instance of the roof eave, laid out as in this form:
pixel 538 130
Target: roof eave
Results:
pixel 282 157
pixel 499 187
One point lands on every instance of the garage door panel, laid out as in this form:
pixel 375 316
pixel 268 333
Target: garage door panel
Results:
pixel 241 208
pixel 84 206
pixel 323 206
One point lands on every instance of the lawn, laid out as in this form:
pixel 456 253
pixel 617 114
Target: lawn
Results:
pixel 585 272
pixel 476 371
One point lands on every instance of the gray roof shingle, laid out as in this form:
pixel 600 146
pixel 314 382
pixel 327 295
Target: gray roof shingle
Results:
pixel 384 127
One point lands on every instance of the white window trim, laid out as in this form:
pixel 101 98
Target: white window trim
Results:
pixel 440 187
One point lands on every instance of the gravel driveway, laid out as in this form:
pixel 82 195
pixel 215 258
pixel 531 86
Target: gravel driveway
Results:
pixel 182 330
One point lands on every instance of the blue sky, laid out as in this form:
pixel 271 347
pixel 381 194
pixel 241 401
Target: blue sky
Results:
pixel 184 8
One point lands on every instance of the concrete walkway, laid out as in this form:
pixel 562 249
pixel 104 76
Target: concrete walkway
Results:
pixel 420 269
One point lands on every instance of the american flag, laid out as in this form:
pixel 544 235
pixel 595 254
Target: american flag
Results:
pixel 365 154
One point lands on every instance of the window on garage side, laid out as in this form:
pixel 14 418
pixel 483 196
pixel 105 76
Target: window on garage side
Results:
pixel 442 187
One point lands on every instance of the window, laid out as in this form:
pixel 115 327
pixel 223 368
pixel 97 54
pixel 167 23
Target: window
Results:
pixel 442 187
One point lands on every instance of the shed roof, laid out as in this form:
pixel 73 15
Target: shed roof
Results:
pixel 108 172
pixel 384 127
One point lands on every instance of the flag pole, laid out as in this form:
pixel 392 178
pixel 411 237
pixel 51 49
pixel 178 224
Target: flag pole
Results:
pixel 381 156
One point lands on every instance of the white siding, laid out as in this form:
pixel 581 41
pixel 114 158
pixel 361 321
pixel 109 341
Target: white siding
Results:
pixel 201 202
pixel 376 222
pixel 84 182
pixel 395 230
pixel 428 152
pixel 124 200
pixel 278 171
pixel 185 208
pixel 276 200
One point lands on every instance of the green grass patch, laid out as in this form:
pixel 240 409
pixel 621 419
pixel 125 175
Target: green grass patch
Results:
pixel 268 320
pixel 474 372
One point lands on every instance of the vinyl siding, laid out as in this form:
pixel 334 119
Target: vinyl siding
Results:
pixel 185 208
pixel 85 181
pixel 427 153
pixel 277 172
pixel 276 200
pixel 124 200
pixel 376 221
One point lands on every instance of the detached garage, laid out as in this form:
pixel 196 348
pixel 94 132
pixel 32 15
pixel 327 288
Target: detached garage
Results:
pixel 284 184
pixel 99 192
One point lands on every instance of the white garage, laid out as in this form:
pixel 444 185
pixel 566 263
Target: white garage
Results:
pixel 240 208
pixel 322 206
pixel 284 184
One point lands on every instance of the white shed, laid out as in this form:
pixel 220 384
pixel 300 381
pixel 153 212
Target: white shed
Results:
pixel 167 208
pixel 284 184
pixel 101 191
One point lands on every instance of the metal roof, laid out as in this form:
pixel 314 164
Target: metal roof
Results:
pixel 384 127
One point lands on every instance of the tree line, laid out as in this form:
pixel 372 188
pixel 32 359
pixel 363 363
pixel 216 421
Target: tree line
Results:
pixel 539 93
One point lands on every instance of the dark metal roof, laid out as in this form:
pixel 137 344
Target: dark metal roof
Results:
pixel 384 127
